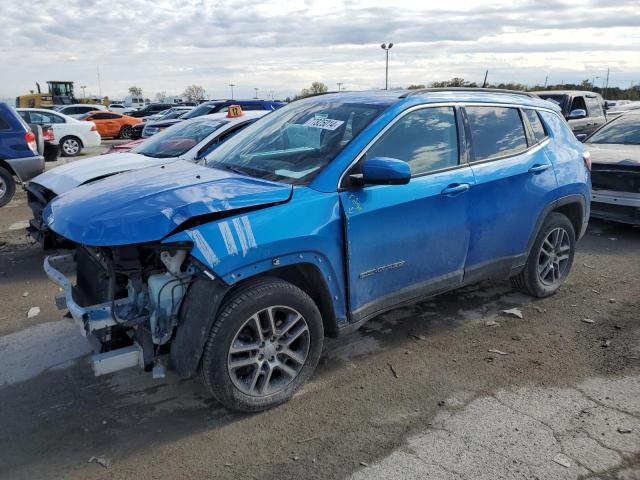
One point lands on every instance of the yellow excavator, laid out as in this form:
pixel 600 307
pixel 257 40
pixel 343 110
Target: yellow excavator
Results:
pixel 59 93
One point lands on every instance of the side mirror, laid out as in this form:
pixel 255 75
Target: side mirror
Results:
pixel 581 137
pixel 577 114
pixel 384 171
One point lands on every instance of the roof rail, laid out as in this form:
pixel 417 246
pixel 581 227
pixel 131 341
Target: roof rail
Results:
pixel 467 89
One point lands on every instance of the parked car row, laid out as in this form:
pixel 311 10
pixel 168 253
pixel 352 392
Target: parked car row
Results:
pixel 230 250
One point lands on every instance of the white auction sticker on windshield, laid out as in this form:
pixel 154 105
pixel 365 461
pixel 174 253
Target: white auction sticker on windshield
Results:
pixel 325 123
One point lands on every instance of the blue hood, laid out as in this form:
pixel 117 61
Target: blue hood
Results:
pixel 148 204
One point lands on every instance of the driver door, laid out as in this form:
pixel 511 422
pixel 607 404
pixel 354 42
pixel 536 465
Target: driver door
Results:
pixel 408 241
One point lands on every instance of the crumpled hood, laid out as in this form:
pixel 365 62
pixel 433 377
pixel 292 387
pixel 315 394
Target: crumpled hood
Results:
pixel 614 153
pixel 147 205
pixel 70 175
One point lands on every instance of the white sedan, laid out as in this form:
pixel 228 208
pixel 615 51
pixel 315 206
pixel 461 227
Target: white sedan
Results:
pixel 77 110
pixel 190 141
pixel 72 135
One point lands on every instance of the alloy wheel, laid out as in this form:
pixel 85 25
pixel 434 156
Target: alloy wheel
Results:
pixel 269 351
pixel 3 188
pixel 553 258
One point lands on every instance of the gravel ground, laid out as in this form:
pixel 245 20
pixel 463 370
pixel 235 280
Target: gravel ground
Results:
pixel 416 393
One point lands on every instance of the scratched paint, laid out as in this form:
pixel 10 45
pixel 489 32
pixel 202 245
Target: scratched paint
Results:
pixel 204 247
pixel 227 236
pixel 241 235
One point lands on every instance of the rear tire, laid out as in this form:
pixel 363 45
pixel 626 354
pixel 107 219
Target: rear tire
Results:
pixel 70 146
pixel 125 132
pixel 550 258
pixel 7 186
pixel 264 344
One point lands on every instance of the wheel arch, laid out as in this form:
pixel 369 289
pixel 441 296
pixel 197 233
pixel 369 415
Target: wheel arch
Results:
pixel 7 167
pixel 572 206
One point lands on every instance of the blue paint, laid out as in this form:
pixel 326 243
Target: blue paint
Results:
pixel 368 242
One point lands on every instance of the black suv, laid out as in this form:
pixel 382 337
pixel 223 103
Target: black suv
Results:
pixel 585 111
pixel 150 109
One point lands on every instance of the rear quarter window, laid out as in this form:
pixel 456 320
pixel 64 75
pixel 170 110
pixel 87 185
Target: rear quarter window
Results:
pixel 496 132
pixel 539 133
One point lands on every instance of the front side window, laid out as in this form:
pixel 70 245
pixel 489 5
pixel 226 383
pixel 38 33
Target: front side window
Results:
pixel 178 139
pixel 294 143
pixel 204 109
pixel 625 129
pixel 539 132
pixel 426 139
pixel 495 132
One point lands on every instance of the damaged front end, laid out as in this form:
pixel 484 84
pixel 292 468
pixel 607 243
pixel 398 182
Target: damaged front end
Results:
pixel 126 300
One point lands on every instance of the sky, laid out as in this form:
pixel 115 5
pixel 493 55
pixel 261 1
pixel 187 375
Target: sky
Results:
pixel 281 46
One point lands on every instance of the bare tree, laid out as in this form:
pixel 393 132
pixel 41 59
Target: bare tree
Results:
pixel 161 96
pixel 193 93
pixel 316 88
pixel 135 91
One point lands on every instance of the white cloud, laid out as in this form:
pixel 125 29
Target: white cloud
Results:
pixel 282 46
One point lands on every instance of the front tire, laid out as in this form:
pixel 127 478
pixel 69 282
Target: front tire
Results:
pixel 7 186
pixel 70 146
pixel 265 343
pixel 550 258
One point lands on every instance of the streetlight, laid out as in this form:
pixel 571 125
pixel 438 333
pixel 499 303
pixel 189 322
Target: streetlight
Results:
pixel 232 85
pixel 256 95
pixel 386 49
pixel 593 83
pixel 83 94
pixel 340 85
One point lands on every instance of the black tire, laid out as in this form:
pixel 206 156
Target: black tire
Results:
pixel 51 152
pixel 125 132
pixel 7 186
pixel 70 146
pixel 235 314
pixel 532 279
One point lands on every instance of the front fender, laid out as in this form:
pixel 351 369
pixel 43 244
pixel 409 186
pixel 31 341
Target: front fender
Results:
pixel 306 230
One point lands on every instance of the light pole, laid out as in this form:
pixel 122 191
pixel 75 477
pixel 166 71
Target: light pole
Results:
pixel 83 94
pixel 339 86
pixel 593 83
pixel 232 85
pixel 256 95
pixel 386 49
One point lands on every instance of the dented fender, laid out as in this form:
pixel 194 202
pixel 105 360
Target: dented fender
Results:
pixel 301 231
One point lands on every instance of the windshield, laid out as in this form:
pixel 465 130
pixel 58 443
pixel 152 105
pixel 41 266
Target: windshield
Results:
pixel 295 142
pixel 560 100
pixel 178 139
pixel 624 129
pixel 200 110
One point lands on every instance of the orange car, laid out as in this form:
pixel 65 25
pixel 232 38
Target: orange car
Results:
pixel 110 124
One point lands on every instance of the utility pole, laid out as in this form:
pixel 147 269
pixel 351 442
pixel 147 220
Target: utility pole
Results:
pixel 484 84
pixel 256 94
pixel 546 79
pixel 339 85
pixel 606 87
pixel 99 85
pixel 232 85
pixel 386 49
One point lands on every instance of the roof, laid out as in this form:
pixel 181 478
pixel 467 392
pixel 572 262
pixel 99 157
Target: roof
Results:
pixel 586 93
pixel 437 95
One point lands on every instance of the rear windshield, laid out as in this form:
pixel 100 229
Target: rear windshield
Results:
pixel 624 129
pixel 178 139
pixel 560 100
pixel 200 110
pixel 295 142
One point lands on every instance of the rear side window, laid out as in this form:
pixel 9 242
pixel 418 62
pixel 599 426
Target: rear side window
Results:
pixel 594 107
pixel 426 139
pixel 539 133
pixel 496 132
pixel 106 116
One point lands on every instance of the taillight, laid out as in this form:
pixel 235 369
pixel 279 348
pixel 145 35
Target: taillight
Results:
pixel 30 138
pixel 93 128
pixel 48 135
pixel 586 157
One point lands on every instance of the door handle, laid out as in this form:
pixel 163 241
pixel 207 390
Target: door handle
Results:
pixel 539 167
pixel 455 188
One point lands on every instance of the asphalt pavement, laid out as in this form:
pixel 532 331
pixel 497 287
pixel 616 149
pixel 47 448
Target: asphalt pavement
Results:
pixel 451 388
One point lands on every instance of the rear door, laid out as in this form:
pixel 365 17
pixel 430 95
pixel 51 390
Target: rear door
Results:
pixel 513 178
pixel 405 241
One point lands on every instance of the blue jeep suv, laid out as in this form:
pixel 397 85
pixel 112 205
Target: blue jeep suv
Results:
pixel 19 154
pixel 318 217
